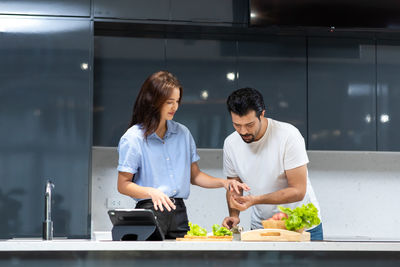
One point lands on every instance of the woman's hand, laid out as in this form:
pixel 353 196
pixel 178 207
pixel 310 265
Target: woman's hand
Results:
pixel 232 185
pixel 160 200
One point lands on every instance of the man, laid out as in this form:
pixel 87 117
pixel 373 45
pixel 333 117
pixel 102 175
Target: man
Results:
pixel 270 157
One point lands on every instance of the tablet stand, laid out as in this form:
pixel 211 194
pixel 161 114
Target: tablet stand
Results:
pixel 132 232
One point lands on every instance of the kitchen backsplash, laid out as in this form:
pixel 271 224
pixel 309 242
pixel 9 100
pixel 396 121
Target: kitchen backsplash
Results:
pixel 357 192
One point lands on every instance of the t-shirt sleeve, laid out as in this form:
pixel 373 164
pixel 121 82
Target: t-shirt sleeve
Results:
pixel 129 156
pixel 295 151
pixel 228 168
pixel 193 150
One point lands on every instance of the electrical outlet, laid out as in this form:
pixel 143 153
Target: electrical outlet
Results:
pixel 114 203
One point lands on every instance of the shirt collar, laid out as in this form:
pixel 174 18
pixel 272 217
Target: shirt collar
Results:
pixel 172 127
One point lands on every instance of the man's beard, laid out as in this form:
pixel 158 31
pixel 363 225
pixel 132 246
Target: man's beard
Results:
pixel 249 138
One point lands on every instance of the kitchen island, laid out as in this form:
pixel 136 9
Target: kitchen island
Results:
pixel 172 245
pixel 68 252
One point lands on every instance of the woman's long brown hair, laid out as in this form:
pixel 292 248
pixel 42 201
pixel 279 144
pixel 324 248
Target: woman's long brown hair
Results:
pixel 155 91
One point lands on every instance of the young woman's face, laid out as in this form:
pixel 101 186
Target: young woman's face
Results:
pixel 171 105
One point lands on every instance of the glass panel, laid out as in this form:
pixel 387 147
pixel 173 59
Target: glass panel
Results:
pixel 46 7
pixel 206 10
pixel 132 9
pixel 341 79
pixel 277 68
pixel 206 69
pixel 45 119
pixel 388 59
pixel 121 66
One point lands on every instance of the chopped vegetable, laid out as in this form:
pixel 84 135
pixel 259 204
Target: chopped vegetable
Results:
pixel 220 230
pixel 300 217
pixel 196 230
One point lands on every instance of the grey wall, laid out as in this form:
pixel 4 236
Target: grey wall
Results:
pixel 357 193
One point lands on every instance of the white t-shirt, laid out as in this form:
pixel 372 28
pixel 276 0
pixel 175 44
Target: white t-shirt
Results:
pixel 262 164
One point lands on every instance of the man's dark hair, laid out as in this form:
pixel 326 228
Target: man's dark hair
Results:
pixel 244 100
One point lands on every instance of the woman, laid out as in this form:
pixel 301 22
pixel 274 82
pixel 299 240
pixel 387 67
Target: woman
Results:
pixel 158 158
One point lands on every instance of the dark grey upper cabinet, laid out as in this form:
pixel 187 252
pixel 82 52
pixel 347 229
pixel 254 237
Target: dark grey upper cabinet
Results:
pixel 132 9
pixel 46 7
pixel 121 66
pixel 206 69
pixel 388 112
pixel 341 94
pixel 210 11
pixel 223 11
pixel 45 117
pixel 277 68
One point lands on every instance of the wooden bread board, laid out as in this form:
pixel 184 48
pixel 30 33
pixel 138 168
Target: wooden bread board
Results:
pixel 271 224
pixel 204 238
pixel 274 235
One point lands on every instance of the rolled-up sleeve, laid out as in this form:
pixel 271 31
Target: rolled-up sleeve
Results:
pixel 193 150
pixel 129 156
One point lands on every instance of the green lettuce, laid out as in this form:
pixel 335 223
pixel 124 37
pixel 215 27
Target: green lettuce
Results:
pixel 196 230
pixel 220 230
pixel 300 217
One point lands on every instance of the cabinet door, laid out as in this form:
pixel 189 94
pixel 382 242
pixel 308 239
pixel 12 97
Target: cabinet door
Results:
pixel 46 7
pixel 132 9
pixel 45 119
pixel 388 119
pixel 122 65
pixel 277 68
pixel 206 69
pixel 223 11
pixel 342 94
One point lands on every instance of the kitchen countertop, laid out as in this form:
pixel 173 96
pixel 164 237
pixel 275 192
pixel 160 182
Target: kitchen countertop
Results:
pixel 172 245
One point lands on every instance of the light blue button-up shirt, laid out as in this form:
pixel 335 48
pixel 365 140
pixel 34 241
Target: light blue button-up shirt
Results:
pixel 159 163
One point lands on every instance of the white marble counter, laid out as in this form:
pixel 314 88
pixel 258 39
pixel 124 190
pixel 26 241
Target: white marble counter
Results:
pixel 171 245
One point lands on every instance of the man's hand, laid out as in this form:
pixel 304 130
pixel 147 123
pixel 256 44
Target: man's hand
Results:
pixel 230 222
pixel 241 203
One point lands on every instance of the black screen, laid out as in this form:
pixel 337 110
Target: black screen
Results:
pixel 326 13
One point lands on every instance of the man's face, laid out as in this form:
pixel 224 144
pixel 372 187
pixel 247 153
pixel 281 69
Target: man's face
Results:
pixel 248 126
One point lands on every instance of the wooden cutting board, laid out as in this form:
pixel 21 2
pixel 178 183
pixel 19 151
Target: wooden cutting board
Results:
pixel 205 238
pixel 274 235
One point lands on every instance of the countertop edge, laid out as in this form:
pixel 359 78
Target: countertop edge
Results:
pixel 70 245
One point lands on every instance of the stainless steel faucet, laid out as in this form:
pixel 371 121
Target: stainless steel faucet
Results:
pixel 48 223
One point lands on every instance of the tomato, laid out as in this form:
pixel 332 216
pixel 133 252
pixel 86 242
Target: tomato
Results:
pixel 278 216
pixel 282 215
